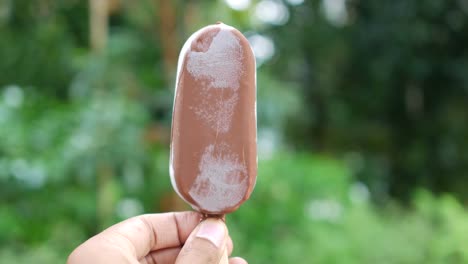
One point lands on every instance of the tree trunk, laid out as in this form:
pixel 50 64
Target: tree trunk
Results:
pixel 98 24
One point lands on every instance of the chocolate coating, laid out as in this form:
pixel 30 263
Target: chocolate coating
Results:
pixel 213 159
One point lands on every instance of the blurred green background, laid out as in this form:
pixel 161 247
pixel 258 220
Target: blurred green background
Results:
pixel 362 125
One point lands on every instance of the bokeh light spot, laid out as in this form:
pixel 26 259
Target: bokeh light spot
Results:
pixel 238 4
pixel 335 11
pixel 295 2
pixel 272 12
pixel 13 96
pixel 129 207
pixel 263 48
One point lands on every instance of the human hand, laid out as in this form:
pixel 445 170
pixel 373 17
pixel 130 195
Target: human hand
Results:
pixel 159 238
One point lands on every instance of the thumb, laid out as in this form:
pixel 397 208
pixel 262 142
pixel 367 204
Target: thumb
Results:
pixel 206 244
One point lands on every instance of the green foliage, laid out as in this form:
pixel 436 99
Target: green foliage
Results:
pixel 305 209
pixel 390 82
pixel 375 105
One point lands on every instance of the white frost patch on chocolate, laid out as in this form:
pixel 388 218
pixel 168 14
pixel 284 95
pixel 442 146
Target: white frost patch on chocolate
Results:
pixel 218 115
pixel 219 67
pixel 221 182
pixel 221 64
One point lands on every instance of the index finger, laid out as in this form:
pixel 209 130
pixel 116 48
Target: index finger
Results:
pixel 145 233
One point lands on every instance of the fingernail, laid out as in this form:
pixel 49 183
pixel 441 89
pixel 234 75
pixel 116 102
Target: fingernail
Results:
pixel 213 230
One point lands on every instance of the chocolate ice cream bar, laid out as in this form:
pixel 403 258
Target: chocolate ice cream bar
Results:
pixel 213 158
